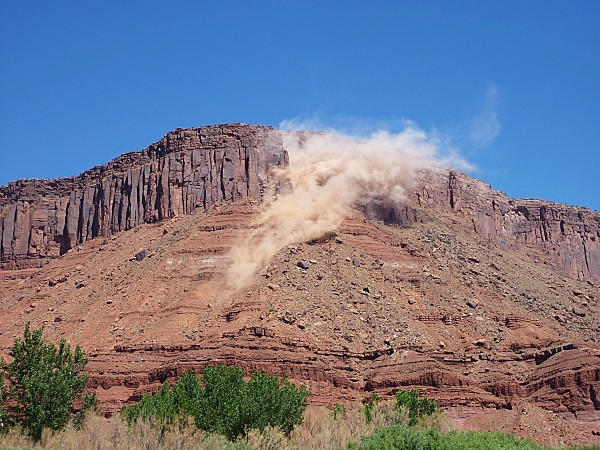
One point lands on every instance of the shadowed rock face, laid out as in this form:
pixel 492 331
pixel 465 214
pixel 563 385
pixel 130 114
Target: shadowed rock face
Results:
pixel 186 170
pixel 569 236
pixel 200 167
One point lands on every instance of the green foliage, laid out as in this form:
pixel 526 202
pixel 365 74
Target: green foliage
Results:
pixel 225 403
pixel 44 384
pixel 271 402
pixel 166 405
pixel 415 406
pixel 4 420
pixel 339 411
pixel 397 437
pixel 221 401
pixel 370 406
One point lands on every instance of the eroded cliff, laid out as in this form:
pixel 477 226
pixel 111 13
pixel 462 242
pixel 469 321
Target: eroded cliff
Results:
pixel 186 170
pixel 200 167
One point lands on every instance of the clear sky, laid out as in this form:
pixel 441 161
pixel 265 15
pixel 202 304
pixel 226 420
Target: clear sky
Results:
pixel 514 85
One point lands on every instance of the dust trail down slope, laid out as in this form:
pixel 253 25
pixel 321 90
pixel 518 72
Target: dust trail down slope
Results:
pixel 330 174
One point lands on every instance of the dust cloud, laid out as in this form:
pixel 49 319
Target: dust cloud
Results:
pixel 330 174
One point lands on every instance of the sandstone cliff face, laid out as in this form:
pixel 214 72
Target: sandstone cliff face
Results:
pixel 186 170
pixel 200 167
pixel 569 236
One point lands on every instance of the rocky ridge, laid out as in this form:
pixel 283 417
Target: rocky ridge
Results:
pixel 186 170
pixel 200 167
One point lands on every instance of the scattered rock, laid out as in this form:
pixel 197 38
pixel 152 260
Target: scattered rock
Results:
pixel 579 312
pixel 356 263
pixel 303 265
pixel 57 319
pixel 141 254
pixel 472 303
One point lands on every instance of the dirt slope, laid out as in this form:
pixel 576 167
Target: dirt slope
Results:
pixel 376 308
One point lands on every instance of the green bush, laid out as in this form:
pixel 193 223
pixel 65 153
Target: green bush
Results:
pixel 415 406
pixel 166 405
pixel 339 411
pixel 45 382
pixel 4 421
pixel 397 437
pixel 370 406
pixel 225 403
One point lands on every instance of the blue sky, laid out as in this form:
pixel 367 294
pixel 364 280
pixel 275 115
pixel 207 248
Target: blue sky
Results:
pixel 514 85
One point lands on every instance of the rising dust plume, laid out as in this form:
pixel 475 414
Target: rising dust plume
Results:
pixel 330 174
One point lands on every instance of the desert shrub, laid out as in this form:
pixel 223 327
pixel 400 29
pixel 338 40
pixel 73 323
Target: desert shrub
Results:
pixel 370 406
pixel 416 407
pixel 397 437
pixel 45 382
pixel 339 411
pixel 3 416
pixel 225 403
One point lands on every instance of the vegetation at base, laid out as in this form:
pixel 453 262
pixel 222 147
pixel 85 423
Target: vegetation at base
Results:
pixel 224 403
pixel 220 408
pixel 370 406
pixel 416 407
pixel 320 430
pixel 339 411
pixel 42 385
pixel 398 437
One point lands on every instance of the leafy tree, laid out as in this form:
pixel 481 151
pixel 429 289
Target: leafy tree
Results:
pixel 220 402
pixel 269 401
pixel 186 394
pixel 225 403
pixel 44 384
pixel 416 407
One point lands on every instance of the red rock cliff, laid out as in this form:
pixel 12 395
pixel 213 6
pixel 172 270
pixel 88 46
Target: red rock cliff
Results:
pixel 199 167
pixel 187 169
pixel 569 236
